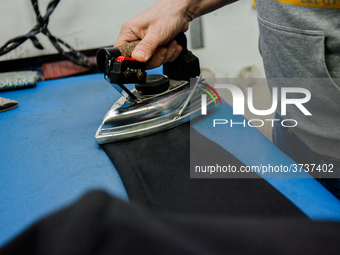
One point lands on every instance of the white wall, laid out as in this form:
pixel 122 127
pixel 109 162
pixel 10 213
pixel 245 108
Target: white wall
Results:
pixel 231 33
pixel 84 24
pixel 231 40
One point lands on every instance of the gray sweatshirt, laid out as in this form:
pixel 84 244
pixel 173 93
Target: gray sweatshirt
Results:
pixel 302 45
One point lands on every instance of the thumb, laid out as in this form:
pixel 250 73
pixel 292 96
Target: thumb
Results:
pixel 147 46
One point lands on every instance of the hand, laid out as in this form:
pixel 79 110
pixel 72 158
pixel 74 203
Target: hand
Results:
pixel 157 27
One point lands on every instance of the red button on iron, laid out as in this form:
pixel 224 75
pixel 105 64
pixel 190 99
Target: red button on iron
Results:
pixel 121 58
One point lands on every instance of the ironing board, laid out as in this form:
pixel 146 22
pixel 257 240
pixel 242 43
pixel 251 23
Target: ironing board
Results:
pixel 49 156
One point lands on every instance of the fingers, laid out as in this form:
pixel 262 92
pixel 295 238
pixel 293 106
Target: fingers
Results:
pixel 178 51
pixel 157 58
pixel 160 55
pixel 147 47
pixel 172 52
pixel 163 55
pixel 126 35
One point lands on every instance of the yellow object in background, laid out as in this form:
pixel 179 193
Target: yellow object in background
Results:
pixel 326 4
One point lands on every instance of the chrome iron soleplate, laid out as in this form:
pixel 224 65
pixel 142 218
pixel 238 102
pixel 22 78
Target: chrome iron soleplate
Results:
pixel 150 114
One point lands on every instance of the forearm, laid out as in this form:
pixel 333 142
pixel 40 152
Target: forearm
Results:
pixel 196 8
pixel 189 9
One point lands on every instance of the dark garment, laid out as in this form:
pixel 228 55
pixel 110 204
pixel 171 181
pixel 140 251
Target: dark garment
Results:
pixel 170 213
pixel 100 224
pixel 155 173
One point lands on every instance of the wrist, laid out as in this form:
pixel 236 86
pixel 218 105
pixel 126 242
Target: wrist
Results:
pixel 196 8
pixel 192 10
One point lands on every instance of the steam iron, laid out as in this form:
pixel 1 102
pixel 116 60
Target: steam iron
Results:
pixel 157 103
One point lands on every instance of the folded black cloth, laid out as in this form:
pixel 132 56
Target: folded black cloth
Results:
pixel 155 173
pixel 101 224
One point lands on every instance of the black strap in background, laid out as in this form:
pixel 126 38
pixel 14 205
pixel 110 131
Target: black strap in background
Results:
pixel 100 224
pixel 74 56
pixel 155 172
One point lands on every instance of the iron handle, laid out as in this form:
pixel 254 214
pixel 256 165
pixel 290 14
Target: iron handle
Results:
pixel 127 49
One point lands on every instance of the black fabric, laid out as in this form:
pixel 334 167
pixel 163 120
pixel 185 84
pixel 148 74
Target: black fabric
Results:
pixel 100 224
pixel 155 172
